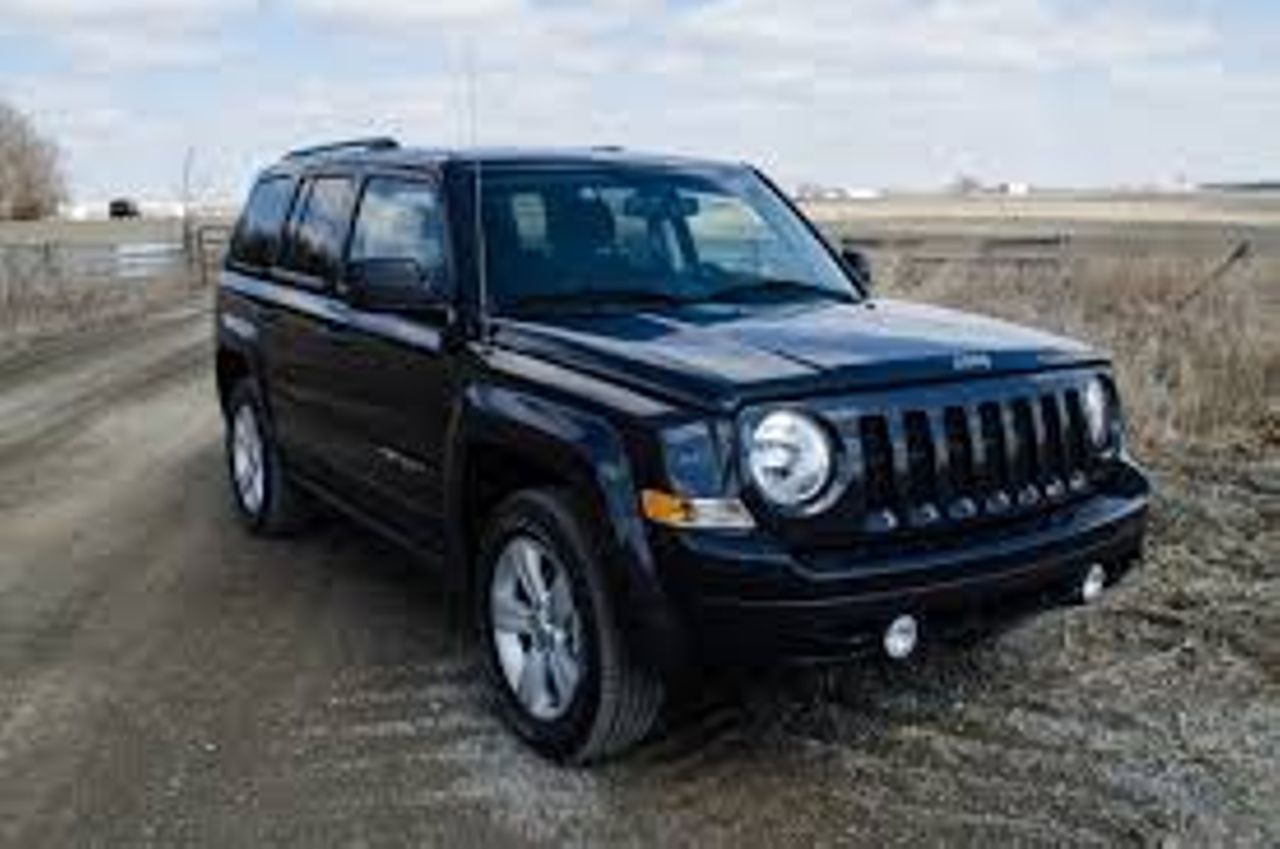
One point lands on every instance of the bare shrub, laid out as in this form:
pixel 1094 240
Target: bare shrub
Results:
pixel 31 179
pixel 1197 362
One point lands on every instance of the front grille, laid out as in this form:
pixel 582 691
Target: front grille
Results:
pixel 922 465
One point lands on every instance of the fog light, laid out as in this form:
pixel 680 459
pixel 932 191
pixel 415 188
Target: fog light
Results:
pixel 1095 581
pixel 901 636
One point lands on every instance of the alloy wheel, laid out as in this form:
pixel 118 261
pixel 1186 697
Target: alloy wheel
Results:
pixel 537 632
pixel 246 459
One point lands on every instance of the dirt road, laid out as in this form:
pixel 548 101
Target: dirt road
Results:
pixel 167 680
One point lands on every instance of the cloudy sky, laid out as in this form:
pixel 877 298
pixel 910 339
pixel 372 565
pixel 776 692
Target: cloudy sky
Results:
pixel 904 93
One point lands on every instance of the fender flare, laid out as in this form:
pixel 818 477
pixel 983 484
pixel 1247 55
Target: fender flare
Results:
pixel 238 337
pixel 587 450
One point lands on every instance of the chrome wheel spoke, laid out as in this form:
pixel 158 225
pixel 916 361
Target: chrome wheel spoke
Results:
pixel 529 571
pixel 512 616
pixel 532 688
pixel 564 674
pixel 560 600
pixel 246 459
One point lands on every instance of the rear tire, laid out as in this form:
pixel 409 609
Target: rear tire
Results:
pixel 561 672
pixel 266 500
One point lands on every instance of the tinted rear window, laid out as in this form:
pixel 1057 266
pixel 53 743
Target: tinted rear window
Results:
pixel 316 246
pixel 257 238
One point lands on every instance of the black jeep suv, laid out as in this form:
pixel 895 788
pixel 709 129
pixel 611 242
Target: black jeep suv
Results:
pixel 643 416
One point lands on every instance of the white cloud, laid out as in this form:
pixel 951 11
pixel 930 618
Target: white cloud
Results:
pixel 1016 33
pixel 101 36
pixel 81 10
pixel 866 92
pixel 398 14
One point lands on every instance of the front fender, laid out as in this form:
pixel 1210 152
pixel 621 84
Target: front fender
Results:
pixel 585 448
pixel 580 445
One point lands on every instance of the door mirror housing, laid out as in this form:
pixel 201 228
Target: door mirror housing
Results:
pixel 392 285
pixel 858 265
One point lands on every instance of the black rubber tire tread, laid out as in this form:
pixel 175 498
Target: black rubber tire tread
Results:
pixel 628 698
pixel 284 510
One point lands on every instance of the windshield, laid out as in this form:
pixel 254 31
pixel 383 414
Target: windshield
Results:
pixel 652 237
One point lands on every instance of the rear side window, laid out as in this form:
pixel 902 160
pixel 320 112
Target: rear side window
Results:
pixel 316 246
pixel 400 219
pixel 257 238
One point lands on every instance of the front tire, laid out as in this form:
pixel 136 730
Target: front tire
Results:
pixel 266 501
pixel 555 655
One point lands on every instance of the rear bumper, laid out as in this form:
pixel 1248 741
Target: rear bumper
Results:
pixel 742 600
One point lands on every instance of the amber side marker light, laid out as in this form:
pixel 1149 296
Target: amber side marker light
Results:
pixel 676 511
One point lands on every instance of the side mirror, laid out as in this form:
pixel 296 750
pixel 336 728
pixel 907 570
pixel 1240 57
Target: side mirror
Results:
pixel 858 265
pixel 391 285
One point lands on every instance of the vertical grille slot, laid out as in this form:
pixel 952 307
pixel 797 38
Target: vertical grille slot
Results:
pixel 1077 438
pixel 877 458
pixel 926 485
pixel 1070 453
pixel 1055 448
pixel 994 446
pixel 921 463
pixel 1024 421
pixel 1025 455
pixel 960 477
pixel 959 450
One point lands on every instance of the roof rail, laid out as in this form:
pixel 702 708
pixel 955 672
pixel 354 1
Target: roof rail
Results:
pixel 371 143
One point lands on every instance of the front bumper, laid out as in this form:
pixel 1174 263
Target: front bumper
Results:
pixel 744 599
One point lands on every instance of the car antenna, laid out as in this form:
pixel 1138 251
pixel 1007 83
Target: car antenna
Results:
pixel 482 263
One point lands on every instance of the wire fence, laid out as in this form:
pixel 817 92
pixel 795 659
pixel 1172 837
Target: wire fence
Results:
pixel 58 282
pixel 909 261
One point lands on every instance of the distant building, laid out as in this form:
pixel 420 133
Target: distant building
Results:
pixel 1260 186
pixel 965 184
pixel 813 191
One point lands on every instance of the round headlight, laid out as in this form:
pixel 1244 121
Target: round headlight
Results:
pixel 1097 412
pixel 790 458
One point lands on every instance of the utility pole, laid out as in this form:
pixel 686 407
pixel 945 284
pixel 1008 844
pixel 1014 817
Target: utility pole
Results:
pixel 188 237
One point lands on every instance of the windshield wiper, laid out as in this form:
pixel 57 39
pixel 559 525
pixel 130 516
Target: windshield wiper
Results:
pixel 774 286
pixel 599 297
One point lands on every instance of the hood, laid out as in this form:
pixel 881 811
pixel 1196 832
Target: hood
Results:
pixel 722 355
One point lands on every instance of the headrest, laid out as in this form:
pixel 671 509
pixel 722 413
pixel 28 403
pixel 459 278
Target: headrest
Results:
pixel 580 224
